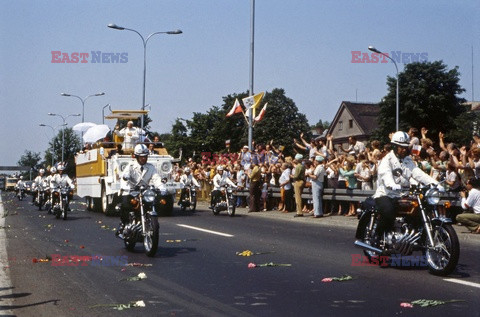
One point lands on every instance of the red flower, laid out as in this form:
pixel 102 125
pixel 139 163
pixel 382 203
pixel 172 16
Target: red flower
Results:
pixel 34 260
pixel 82 247
pixel 252 265
pixel 327 279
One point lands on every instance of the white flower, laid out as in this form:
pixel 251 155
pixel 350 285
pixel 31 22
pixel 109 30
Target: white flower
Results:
pixel 142 276
pixel 139 303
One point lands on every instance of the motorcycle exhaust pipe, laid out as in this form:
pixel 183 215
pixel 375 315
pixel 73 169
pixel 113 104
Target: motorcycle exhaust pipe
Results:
pixel 365 246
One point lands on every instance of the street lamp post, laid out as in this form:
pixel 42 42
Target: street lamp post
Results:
pixel 63 130
pixel 53 130
pixel 373 49
pixel 116 27
pixel 103 112
pixel 82 100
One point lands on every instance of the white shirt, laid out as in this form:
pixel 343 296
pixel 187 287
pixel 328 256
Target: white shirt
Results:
pixel 406 168
pixel 221 180
pixel 319 172
pixel 473 201
pixel 189 180
pixel 62 180
pixel 284 177
pixel 135 174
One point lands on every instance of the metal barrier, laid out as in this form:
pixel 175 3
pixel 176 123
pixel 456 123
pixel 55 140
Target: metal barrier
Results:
pixel 356 195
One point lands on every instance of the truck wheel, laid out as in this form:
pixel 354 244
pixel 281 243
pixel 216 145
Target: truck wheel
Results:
pixel 97 204
pixel 89 201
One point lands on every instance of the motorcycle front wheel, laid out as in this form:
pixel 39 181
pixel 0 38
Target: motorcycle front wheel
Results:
pixel 40 202
pixel 65 209
pixel 442 258
pixel 370 239
pixel 193 204
pixel 231 208
pixel 150 240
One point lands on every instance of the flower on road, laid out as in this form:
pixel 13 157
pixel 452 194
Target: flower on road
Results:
pixel 140 276
pixel 253 265
pixel 337 279
pixel 138 264
pixel 406 305
pixel 428 302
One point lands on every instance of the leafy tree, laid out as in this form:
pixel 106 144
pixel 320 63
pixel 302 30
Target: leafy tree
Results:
pixel 428 98
pixel 29 159
pixel 72 145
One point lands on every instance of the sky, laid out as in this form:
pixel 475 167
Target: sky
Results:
pixel 303 46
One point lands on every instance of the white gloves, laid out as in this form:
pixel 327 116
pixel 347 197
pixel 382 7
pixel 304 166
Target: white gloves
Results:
pixel 441 188
pixel 396 187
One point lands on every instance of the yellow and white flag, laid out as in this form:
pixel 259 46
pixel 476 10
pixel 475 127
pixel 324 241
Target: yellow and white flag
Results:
pixel 253 101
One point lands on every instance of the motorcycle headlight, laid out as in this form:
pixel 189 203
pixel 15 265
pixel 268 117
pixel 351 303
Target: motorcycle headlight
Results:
pixel 149 196
pixel 229 190
pixel 166 167
pixel 433 196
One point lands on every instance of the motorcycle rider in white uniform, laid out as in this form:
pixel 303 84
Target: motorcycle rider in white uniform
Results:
pixel 20 185
pixel 394 173
pixel 219 180
pixel 187 179
pixel 136 173
pixel 61 180
pixel 38 181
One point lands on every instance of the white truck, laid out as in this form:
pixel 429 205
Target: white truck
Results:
pixel 99 172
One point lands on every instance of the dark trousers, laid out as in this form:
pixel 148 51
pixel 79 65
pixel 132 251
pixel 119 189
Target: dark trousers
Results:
pixel 255 195
pixel 126 207
pixel 289 200
pixel 216 194
pixel 386 207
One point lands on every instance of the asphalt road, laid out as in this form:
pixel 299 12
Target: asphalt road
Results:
pixel 196 271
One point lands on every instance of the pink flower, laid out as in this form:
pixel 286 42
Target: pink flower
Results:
pixel 327 279
pixel 252 265
pixel 406 305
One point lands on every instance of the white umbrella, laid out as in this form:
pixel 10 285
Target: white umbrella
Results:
pixel 95 133
pixel 83 126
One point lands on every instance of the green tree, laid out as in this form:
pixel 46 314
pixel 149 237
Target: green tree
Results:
pixel 29 159
pixel 428 98
pixel 72 144
pixel 282 122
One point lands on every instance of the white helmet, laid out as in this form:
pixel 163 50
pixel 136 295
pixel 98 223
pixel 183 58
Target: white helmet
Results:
pixel 140 150
pixel 53 170
pixel 21 177
pixel 187 170
pixel 400 138
pixel 219 168
pixel 60 167
pixel 41 171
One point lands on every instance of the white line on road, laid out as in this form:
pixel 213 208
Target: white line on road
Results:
pixel 454 280
pixel 205 230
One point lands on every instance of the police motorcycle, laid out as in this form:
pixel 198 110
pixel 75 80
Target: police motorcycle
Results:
pixel 20 189
pixel 225 201
pixel 189 198
pixel 417 227
pixel 21 193
pixel 42 195
pixel 143 224
pixel 61 196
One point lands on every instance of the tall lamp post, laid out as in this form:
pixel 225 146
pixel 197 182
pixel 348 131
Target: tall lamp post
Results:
pixel 252 42
pixel 116 27
pixel 103 112
pixel 373 49
pixel 63 130
pixel 53 131
pixel 82 100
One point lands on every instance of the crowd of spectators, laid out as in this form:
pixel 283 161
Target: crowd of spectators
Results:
pixel 354 167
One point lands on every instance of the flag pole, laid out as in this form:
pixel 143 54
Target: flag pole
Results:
pixel 252 29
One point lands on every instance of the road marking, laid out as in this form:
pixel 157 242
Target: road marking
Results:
pixel 454 280
pixel 205 230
